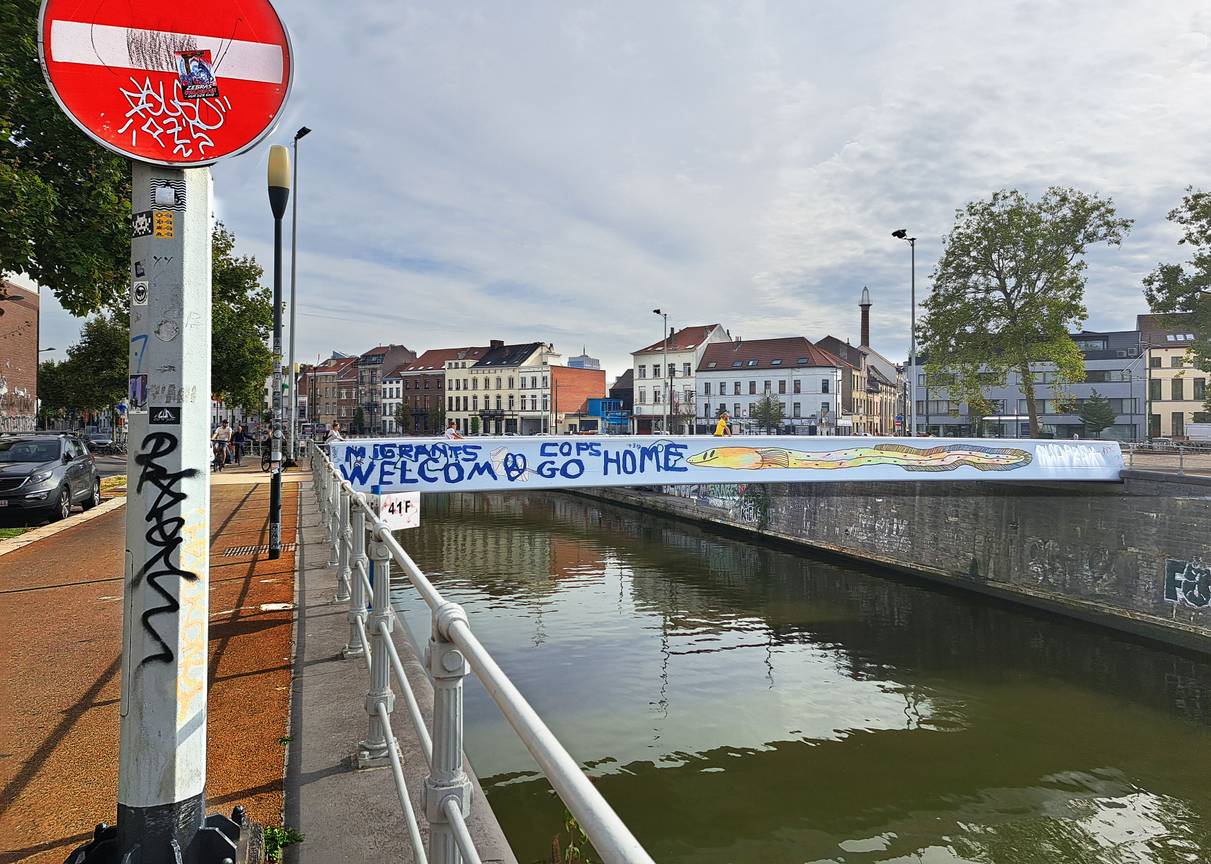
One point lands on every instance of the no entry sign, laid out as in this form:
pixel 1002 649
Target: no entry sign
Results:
pixel 172 83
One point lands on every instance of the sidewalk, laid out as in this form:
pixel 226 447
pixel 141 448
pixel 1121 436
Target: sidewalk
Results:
pixel 61 628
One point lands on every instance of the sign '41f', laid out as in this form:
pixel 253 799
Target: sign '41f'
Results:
pixel 179 84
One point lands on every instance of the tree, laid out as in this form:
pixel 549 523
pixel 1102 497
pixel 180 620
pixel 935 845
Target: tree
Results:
pixel 1096 413
pixel 403 417
pixel 437 417
pixel 1177 288
pixel 1010 285
pixel 767 411
pixel 97 364
pixel 474 425
pixel 66 199
pixel 242 321
pixel 684 412
pixel 359 420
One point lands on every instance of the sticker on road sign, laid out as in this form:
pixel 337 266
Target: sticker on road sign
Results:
pixel 140 224
pixel 168 193
pixel 138 294
pixel 400 510
pixel 137 395
pixel 167 416
pixel 163 224
pixel 196 74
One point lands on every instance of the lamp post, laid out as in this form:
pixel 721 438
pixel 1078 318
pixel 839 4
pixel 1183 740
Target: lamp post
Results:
pixel 669 392
pixel 292 429
pixel 902 234
pixel 279 193
pixel 37 374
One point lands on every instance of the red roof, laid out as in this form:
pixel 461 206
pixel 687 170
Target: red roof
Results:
pixel 334 364
pixel 682 340
pixel 434 360
pixel 793 352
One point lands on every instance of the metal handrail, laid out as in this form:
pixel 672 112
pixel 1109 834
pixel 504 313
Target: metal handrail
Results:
pixel 453 647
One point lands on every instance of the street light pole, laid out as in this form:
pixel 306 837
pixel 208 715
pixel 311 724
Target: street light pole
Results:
pixel 902 234
pixel 669 391
pixel 292 429
pixel 279 192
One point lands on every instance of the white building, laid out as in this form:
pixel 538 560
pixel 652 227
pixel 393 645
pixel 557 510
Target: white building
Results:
pixel 493 394
pixel 655 378
pixel 390 398
pixel 734 375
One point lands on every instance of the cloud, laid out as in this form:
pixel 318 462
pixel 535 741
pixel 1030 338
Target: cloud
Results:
pixel 554 171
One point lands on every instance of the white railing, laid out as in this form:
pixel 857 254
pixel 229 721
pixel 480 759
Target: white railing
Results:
pixel 453 650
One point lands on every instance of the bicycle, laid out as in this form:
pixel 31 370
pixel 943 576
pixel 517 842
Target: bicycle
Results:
pixel 220 455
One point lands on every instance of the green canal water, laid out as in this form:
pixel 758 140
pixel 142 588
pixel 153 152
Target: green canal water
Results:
pixel 736 703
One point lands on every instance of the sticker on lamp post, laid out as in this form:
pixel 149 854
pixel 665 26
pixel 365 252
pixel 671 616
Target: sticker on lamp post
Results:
pixel 399 510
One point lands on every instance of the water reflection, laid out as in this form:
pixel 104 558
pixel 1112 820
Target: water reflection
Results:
pixel 737 703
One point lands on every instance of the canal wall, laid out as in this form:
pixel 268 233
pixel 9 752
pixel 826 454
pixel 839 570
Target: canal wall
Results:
pixel 1134 555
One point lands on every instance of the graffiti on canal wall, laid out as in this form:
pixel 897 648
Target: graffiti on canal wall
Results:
pixel 1188 583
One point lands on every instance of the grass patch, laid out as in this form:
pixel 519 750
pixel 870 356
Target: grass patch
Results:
pixel 109 484
pixel 277 838
pixel 6 533
pixel 285 739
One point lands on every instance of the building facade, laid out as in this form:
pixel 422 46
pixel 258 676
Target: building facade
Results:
pixel 666 388
pixel 371 367
pixel 19 313
pixel 871 385
pixel 488 395
pixel 807 380
pixel 1113 367
pixel 323 391
pixel 572 389
pixel 1176 391
pixel 423 388
pixel 584 361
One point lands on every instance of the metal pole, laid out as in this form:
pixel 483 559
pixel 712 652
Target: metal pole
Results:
pixel 669 391
pixel 373 752
pixel 357 602
pixel 294 246
pixel 912 381
pixel 344 540
pixel 279 192
pixel 162 739
pixel 447 781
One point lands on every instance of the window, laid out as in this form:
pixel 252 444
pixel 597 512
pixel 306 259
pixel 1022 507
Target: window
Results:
pixel 1176 361
pixel 766 387
pixel 464 403
pixel 533 403
pixel 688 397
pixel 544 382
pixel 655 370
pixel 796 409
pixel 752 387
pixel 512 401
pixel 782 386
pixel 1179 423
pixel 474 403
pixel 672 370
pixel 642 371
pixel 546 403
pixel 736 410
pixel 497 401
pixel 783 404
pixel 498 383
pixel 657 395
pixel 643 396
pixel 534 381
pixel 1154 361
pixel 474 383
pixel 797 387
pixel 1099 376
pixel 706 388
pixel 1179 389
pixel 710 365
pixel 823 385
pixel 510 383
pixel 736 389
pixel 1200 389
pixel 752 363
pixel 449 404
pixel 823 408
pixel 1154 390
pixel 685 369
pixel 776 362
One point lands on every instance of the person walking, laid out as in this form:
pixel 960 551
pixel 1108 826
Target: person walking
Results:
pixel 221 438
pixel 723 425
pixel 238 439
pixel 452 431
pixel 334 434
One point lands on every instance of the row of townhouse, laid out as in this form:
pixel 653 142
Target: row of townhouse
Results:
pixel 1146 374
pixel 682 383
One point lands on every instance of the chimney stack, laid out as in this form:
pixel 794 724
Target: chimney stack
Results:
pixel 496 343
pixel 865 307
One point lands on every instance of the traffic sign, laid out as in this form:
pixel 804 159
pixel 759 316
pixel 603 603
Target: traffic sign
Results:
pixel 178 84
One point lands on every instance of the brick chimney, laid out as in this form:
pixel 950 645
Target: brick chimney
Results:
pixel 865 307
pixel 496 343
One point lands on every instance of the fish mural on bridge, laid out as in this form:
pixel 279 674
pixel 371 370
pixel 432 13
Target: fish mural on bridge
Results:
pixel 944 457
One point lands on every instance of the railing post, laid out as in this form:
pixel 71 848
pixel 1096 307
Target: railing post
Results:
pixel 334 528
pixel 357 605
pixel 1181 460
pixel 447 667
pixel 343 541
pixel 373 752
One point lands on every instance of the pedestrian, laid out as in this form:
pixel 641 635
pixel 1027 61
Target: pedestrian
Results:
pixel 334 434
pixel 238 439
pixel 452 431
pixel 221 438
pixel 723 425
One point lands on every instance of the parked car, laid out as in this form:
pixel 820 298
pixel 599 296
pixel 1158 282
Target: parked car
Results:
pixel 99 442
pixel 47 474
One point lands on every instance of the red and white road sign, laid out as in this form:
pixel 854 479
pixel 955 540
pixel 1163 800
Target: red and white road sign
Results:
pixel 173 83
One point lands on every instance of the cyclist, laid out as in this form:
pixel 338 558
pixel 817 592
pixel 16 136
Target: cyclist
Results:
pixel 221 438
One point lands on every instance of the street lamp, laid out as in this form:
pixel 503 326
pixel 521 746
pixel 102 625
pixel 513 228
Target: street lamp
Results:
pixel 279 193
pixel 668 395
pixel 291 441
pixel 902 234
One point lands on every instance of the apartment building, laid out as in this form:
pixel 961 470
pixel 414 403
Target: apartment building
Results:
pixel 371 366
pixel 871 385
pixel 806 379
pixel 1176 390
pixel 664 378
pixel 488 394
pixel 323 392
pixel 422 388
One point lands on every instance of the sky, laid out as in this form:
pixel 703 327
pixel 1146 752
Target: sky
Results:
pixel 554 171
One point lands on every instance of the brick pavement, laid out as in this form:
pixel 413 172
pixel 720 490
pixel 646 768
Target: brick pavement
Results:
pixel 61 628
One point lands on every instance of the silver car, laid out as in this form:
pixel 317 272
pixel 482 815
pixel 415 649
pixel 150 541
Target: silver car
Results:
pixel 46 475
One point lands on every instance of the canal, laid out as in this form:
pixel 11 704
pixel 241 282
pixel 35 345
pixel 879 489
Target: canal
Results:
pixel 737 703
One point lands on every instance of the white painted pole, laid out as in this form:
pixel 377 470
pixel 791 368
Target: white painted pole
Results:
pixel 162 761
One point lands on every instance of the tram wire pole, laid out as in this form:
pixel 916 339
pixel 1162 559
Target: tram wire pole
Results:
pixel 279 194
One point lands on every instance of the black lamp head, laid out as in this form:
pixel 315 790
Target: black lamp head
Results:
pixel 900 233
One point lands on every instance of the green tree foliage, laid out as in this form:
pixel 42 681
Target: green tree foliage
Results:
pixel 1176 288
pixel 767 411
pixel 1096 413
pixel 242 322
pixel 359 421
pixel 98 363
pixel 1009 287
pixel 403 417
pixel 66 200
pixel 437 418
